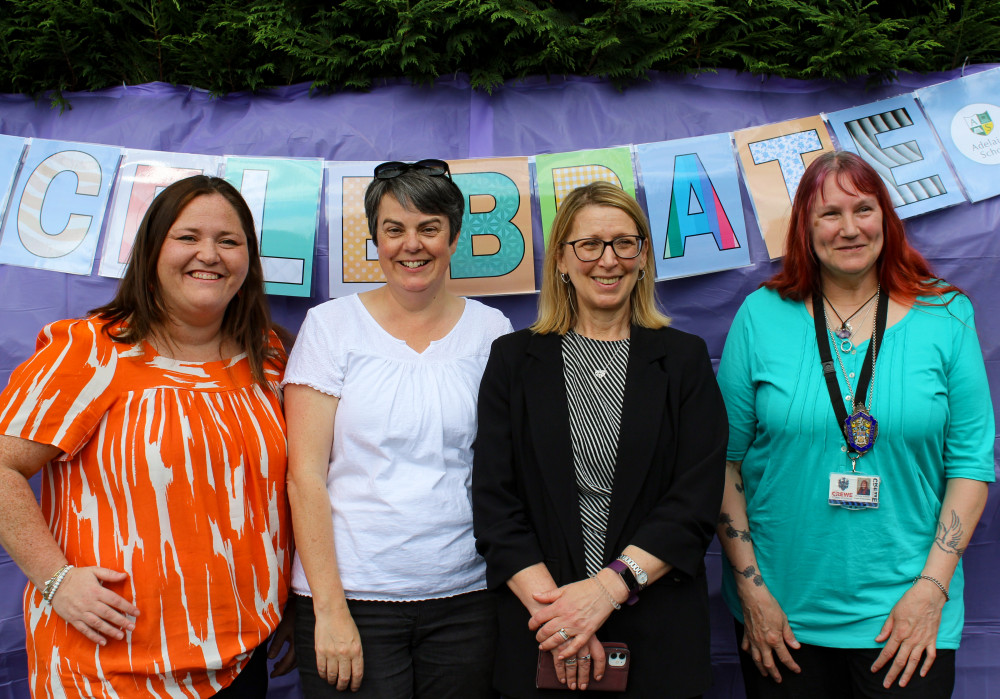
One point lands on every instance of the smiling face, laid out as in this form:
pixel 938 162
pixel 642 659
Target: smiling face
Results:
pixel 604 285
pixel 203 261
pixel 846 233
pixel 413 247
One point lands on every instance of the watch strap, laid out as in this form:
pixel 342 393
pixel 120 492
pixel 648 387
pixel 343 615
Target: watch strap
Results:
pixel 638 573
pixel 628 578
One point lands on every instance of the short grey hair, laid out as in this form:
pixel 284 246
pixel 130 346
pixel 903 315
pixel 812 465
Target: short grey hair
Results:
pixel 417 190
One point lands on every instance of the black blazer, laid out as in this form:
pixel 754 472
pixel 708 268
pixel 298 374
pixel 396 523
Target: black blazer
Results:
pixel 667 492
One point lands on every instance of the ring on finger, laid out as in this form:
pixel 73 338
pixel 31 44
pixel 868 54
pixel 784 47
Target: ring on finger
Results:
pixel 570 661
pixel 562 632
pixel 584 658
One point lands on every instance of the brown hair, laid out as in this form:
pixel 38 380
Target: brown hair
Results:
pixel 137 307
pixel 556 304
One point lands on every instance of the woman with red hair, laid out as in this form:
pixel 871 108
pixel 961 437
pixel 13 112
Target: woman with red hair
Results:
pixel 861 442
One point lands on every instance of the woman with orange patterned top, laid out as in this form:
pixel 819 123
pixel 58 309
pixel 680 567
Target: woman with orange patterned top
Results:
pixel 158 561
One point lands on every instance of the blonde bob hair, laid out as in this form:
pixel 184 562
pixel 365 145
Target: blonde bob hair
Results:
pixel 557 305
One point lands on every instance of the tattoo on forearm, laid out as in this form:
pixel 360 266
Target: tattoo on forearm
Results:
pixel 948 538
pixel 750 573
pixel 739 486
pixel 731 531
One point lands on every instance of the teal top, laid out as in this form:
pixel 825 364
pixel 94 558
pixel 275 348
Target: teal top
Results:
pixel 837 573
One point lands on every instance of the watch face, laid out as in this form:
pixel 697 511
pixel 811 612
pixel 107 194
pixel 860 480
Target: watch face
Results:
pixel 642 577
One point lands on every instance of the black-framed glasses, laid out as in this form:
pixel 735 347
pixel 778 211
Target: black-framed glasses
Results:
pixel 626 247
pixel 431 167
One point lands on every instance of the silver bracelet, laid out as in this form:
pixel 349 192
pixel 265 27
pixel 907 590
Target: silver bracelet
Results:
pixel 53 583
pixel 937 582
pixel 605 591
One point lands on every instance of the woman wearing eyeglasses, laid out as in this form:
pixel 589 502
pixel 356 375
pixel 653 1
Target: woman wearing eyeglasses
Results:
pixel 599 466
pixel 380 402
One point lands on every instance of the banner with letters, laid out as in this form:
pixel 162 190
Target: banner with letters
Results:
pixel 935 147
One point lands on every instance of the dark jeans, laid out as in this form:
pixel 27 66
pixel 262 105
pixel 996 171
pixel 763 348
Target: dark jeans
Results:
pixel 844 673
pixel 251 683
pixel 436 648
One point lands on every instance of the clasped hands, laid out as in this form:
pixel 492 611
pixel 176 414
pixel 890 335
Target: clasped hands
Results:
pixel 566 625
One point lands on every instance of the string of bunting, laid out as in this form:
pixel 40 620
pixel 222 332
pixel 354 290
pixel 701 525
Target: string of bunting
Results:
pixel 934 147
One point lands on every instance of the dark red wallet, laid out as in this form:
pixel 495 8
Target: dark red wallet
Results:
pixel 615 676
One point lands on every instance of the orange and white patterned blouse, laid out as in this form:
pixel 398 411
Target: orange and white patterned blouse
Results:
pixel 173 472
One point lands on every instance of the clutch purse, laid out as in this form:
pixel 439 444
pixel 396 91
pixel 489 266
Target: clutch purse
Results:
pixel 615 675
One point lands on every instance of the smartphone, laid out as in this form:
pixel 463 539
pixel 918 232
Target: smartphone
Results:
pixel 615 675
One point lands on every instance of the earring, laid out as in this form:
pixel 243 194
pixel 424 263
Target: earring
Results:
pixel 564 277
pixel 642 275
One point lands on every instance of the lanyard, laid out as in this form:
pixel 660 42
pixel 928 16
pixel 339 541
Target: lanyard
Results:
pixel 830 371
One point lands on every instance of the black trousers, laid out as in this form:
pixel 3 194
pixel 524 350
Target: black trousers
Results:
pixel 430 649
pixel 843 673
pixel 251 683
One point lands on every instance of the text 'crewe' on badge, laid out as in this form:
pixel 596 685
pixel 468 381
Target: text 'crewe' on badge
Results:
pixel 855 491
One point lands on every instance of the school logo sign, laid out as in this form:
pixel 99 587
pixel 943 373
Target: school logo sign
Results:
pixel 980 124
pixel 974 134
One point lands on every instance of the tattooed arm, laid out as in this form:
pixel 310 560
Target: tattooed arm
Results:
pixel 911 630
pixel 767 635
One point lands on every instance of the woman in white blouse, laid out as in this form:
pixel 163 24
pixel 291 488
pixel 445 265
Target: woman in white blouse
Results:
pixel 380 401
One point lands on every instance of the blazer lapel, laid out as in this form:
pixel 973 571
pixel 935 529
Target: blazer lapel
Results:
pixel 548 415
pixel 642 417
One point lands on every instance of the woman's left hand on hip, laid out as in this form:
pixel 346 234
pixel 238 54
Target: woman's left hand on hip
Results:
pixel 909 633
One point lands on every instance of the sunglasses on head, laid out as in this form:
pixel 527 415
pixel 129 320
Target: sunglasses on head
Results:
pixel 430 167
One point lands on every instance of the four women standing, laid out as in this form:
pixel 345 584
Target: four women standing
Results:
pixel 860 441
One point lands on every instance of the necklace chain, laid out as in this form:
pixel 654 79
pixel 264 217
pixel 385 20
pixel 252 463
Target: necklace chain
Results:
pixel 849 340
pixel 844 323
pixel 836 347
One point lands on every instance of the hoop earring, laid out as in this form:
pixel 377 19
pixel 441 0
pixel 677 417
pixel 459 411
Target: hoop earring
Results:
pixel 642 275
pixel 564 277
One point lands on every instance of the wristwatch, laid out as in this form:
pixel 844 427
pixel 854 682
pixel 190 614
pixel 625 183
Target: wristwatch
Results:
pixel 628 578
pixel 639 573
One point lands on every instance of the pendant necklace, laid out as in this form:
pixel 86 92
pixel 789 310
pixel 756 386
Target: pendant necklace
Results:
pixel 847 344
pixel 846 330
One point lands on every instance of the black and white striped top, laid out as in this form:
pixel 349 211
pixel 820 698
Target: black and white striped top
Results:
pixel 594 371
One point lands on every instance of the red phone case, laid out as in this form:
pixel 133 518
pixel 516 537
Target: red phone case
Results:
pixel 615 675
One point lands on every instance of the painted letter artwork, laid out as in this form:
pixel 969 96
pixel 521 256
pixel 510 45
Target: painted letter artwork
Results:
pixel 934 148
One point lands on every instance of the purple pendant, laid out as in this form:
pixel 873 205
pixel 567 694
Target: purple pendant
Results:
pixel 861 429
pixel 844 332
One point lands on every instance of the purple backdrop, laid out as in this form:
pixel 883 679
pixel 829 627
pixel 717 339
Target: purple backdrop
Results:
pixel 396 121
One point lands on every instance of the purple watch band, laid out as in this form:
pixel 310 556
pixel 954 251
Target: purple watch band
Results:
pixel 628 578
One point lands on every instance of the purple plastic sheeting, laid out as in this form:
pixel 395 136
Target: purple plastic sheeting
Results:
pixel 395 121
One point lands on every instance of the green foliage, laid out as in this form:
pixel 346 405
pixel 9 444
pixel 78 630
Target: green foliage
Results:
pixel 225 46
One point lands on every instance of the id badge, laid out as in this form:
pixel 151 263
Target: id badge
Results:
pixel 855 491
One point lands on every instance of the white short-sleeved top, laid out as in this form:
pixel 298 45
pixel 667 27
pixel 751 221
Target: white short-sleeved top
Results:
pixel 401 463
